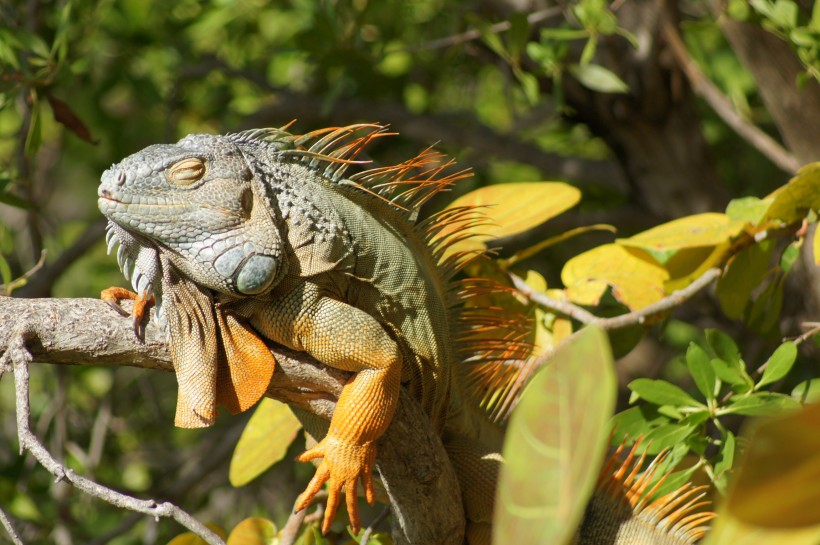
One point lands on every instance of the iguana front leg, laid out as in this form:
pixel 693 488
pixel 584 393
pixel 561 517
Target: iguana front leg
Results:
pixel 346 338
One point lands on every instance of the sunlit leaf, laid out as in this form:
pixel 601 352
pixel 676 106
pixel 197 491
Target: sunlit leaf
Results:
pixel 709 229
pixel 552 463
pixel 513 208
pixel 749 209
pixel 636 279
pixel 253 531
pixel 264 441
pixel 792 201
pixel 815 248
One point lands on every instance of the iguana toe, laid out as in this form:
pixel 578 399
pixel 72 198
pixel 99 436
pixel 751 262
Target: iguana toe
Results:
pixel 142 301
pixel 343 465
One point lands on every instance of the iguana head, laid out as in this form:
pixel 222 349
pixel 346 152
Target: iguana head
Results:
pixel 199 203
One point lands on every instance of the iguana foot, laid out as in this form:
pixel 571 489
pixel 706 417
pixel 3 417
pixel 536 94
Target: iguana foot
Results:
pixel 343 465
pixel 142 302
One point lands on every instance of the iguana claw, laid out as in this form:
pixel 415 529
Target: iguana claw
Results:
pixel 112 296
pixel 343 465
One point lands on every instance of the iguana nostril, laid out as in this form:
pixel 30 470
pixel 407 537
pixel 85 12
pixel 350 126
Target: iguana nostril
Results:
pixel 120 177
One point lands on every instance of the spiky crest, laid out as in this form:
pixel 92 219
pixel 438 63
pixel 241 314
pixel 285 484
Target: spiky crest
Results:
pixel 491 340
pixel 678 514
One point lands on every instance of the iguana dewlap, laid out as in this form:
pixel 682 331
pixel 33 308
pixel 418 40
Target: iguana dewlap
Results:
pixel 259 236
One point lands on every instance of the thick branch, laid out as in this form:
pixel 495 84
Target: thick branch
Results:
pixel 411 459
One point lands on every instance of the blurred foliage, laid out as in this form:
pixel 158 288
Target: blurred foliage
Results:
pixel 83 84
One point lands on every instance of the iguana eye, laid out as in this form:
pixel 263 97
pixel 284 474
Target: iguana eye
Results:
pixel 186 171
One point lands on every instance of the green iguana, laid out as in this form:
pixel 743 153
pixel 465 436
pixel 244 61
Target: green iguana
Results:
pixel 260 236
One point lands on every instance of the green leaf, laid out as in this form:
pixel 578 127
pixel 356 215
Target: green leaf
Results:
pixel 749 209
pixel 34 138
pixel 759 404
pixel 745 272
pixel 807 391
pixel 790 255
pixel 727 454
pixel 765 312
pixel 5 275
pixel 518 35
pixel 700 367
pixel 598 78
pixel 264 441
pixel 552 463
pixel 724 347
pixel 779 364
pixel 728 373
pixel 636 422
pixel 661 392
pixel 667 436
pixel 564 34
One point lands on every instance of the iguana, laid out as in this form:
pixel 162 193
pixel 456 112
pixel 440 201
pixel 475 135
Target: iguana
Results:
pixel 261 237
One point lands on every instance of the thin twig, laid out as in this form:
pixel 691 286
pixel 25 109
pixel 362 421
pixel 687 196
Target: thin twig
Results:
pixel 19 356
pixel 6 289
pixel 6 522
pixel 376 521
pixel 722 106
pixel 814 329
pixel 617 322
pixel 474 34
pixel 291 529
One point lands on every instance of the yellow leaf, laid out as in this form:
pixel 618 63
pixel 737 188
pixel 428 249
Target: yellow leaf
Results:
pixel 776 489
pixel 253 531
pixel 265 440
pixel 727 529
pixel 702 261
pixel 777 484
pixel 637 280
pixel 513 208
pixel 816 247
pixel 190 538
pixel 709 229
pixel 792 201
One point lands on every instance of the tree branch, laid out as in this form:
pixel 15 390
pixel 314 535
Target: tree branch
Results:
pixel 722 106
pixel 411 459
pixel 624 320
pixel 4 520
pixel 17 355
